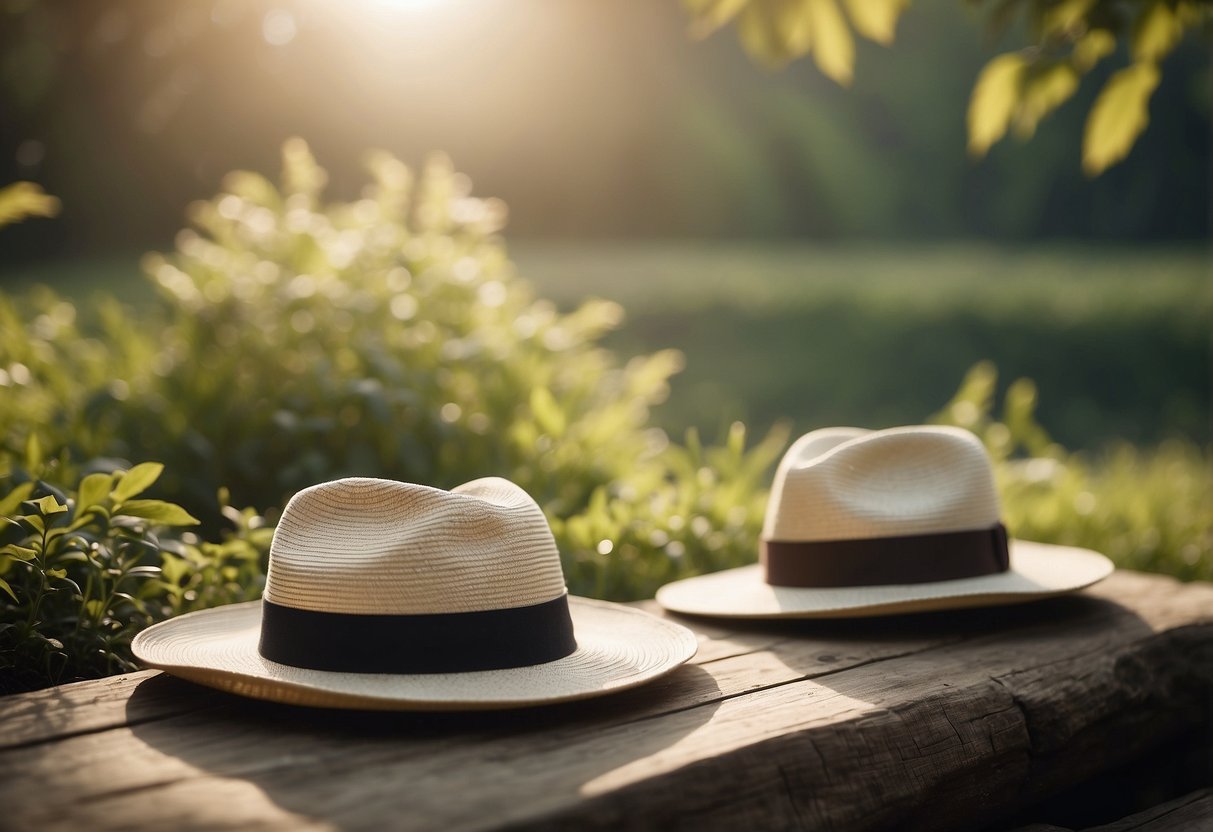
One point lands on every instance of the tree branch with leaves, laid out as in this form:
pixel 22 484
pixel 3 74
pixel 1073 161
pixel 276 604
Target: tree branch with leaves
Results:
pixel 1015 90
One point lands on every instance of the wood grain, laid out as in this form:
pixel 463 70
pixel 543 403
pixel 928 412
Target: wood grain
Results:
pixel 941 721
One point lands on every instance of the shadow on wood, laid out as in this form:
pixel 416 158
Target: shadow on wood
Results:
pixel 317 764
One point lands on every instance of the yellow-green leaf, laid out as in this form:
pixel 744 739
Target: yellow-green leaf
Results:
pixel 1118 116
pixel 4 585
pixel 22 200
pixel 1092 47
pixel 833 46
pixel 995 97
pixel 56 573
pixel 794 22
pixel 158 511
pixel 1045 88
pixel 33 452
pixel 93 489
pixel 18 552
pixel 49 505
pixel 547 412
pixel 759 37
pixel 136 481
pixel 876 19
pixel 1157 30
pixel 11 501
pixel 774 31
pixel 1061 18
pixel 34 520
pixel 709 15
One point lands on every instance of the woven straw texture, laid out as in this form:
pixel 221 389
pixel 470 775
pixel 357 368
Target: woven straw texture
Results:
pixel 373 546
pixel 377 547
pixel 849 484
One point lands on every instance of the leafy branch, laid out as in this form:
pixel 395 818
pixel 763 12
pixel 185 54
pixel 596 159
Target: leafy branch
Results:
pixel 1015 90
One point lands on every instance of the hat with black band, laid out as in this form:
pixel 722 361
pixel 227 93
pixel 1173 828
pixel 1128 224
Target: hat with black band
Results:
pixel 394 596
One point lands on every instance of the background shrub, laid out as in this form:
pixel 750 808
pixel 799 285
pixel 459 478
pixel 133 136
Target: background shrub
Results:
pixel 297 341
pixel 83 568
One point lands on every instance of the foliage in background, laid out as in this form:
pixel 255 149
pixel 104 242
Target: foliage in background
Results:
pixel 1116 340
pixel 22 200
pixel 86 564
pixel 1145 510
pixel 299 340
pixel 1015 90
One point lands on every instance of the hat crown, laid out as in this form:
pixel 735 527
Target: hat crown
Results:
pixel 852 484
pixel 379 547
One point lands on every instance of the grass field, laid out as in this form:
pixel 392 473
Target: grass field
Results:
pixel 1117 340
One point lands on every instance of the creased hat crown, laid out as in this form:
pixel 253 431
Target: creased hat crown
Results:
pixel 379 547
pixel 852 484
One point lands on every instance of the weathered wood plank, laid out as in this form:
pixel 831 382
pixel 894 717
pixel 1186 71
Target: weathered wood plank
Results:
pixel 79 708
pixel 919 722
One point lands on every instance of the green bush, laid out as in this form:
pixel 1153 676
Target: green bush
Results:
pixel 82 569
pixel 298 340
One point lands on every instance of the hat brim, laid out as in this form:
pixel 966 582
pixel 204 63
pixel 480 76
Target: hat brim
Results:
pixel 1037 570
pixel 617 648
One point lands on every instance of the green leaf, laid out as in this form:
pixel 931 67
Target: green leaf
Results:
pixel 1118 116
pixel 93 489
pixel 14 498
pixel 547 412
pixel 1157 29
pixel 18 552
pixel 34 520
pixel 995 97
pixel 1091 48
pixel 833 46
pixel 56 573
pixel 136 481
pixel 876 19
pixel 1045 89
pixel 49 505
pixel 774 31
pixel 22 200
pixel 33 452
pixel 174 569
pixel 158 511
pixel 4 585
pixel 1062 17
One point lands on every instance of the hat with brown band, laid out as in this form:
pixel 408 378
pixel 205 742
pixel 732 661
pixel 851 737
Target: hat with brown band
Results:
pixel 864 523
pixel 385 595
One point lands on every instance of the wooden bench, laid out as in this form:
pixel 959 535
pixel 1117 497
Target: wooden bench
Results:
pixel 941 721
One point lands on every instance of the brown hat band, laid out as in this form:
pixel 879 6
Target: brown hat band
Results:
pixel 873 561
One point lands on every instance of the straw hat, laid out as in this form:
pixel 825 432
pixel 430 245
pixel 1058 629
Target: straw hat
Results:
pixel 864 523
pixel 390 596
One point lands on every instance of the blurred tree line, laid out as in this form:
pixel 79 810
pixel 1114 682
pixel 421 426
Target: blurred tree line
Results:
pixel 590 119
